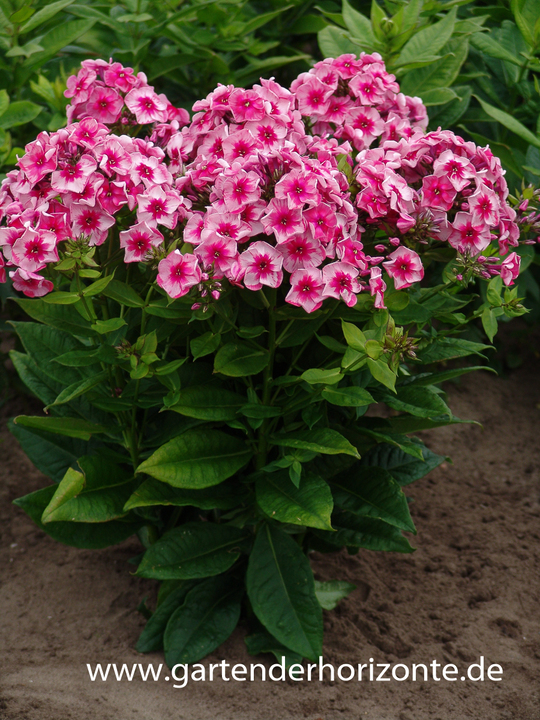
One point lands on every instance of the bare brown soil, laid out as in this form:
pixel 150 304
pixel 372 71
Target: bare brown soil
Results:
pixel 472 588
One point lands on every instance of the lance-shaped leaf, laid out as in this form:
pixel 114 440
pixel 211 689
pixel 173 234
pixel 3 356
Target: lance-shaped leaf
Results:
pixel 206 619
pixel 422 402
pixel 197 459
pixel 209 403
pixel 348 397
pixel 362 532
pixel 193 550
pixel 281 589
pixel 71 427
pixel 404 468
pixel 321 440
pixel 309 504
pixel 373 492
pixel 152 492
pixel 151 638
pixel 239 360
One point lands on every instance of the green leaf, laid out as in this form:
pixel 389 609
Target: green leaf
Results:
pixel 95 495
pixel 106 326
pixel 44 15
pixel 309 504
pixel 355 531
pixel 193 550
pixel 320 440
pixel 382 373
pixel 260 412
pixel 262 642
pixel 71 427
pixel 151 638
pixel 329 594
pixel 51 454
pixel 358 25
pixel 21 15
pixel 449 348
pixel 372 492
pixel 437 96
pixel 263 19
pixel 197 459
pixel 78 388
pixel 486 43
pixel 440 377
pixel 509 122
pixel 404 424
pixel 63 317
pixel 57 38
pixel 417 400
pixel 428 41
pixel 238 360
pixel 205 620
pixel 348 397
pixel 489 323
pixel 440 74
pixel 209 403
pixel 61 298
pixel 152 492
pixel 123 294
pixel 334 41
pixel 80 535
pixel 4 103
pixel 19 113
pixel 89 356
pixel 97 287
pixel 404 468
pixel 354 337
pixel 204 344
pixel 526 15
pixel 281 589
pixel 321 376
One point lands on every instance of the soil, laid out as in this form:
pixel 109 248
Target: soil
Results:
pixel 471 589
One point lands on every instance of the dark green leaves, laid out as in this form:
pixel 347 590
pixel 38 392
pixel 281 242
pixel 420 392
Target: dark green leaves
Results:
pixel 209 403
pixel 310 504
pixel 347 397
pixel 194 550
pixel 206 619
pixel 324 440
pixel 72 427
pixel 282 592
pixel 152 492
pixel 404 468
pixel 197 459
pixel 362 532
pixel 419 401
pixel 239 360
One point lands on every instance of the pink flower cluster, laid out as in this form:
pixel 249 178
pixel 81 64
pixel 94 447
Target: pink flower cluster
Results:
pixel 262 188
pixel 267 199
pixel 70 185
pixel 355 98
pixel 114 95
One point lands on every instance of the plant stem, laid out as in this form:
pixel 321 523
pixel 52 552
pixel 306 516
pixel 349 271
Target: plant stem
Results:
pixel 267 379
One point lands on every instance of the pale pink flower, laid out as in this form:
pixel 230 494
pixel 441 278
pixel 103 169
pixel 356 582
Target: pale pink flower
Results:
pixel 138 241
pixel 194 228
pixel 262 264
pixel 8 237
pixel 267 132
pixel 149 170
pixel 484 205
pixel 301 252
pixel 377 287
pixel 31 284
pixel 225 225
pixel 178 273
pixel 405 267
pixel 340 281
pixel 306 289
pixel 113 158
pixel 104 104
pixel 366 88
pixel 88 132
pixel 240 146
pixel 363 125
pixel 88 194
pixel 34 249
pixel 456 168
pixel 146 105
pixel 158 206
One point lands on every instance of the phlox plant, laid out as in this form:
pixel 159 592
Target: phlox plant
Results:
pixel 217 302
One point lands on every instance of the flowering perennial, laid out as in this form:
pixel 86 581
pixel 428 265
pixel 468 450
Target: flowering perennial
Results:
pixel 261 188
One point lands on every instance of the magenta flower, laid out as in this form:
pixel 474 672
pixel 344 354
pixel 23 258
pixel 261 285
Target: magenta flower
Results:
pixel 73 177
pixel 306 289
pixel 138 241
pixel 301 252
pixel 484 206
pixel 438 192
pixel 282 220
pixel 377 287
pixel 112 195
pixel 149 170
pixel 469 234
pixel 262 264
pixel 104 104
pixel 510 268
pixel 218 252
pixel 225 225
pixel 298 188
pixel 158 206
pixel 352 252
pixel 313 97
pixel 178 273
pixel 456 168
pixel 34 249
pixel 92 222
pixel 3 276
pixel 340 281
pixel 31 284
pixel 246 105
pixel 88 132
pixel 240 189
pixel 113 158
pixel 38 161
pixel 116 75
pixel 405 267
pixel 79 86
pixel 146 105
pixel 322 221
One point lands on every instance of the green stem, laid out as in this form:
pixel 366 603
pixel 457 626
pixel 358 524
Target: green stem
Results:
pixel 267 380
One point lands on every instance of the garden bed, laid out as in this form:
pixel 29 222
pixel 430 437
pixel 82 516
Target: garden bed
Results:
pixel 472 588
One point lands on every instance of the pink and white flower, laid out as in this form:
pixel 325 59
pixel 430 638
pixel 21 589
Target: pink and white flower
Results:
pixel 138 242
pixel 262 265
pixel 306 289
pixel 340 282
pixel 404 267
pixel 377 287
pixel 178 273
